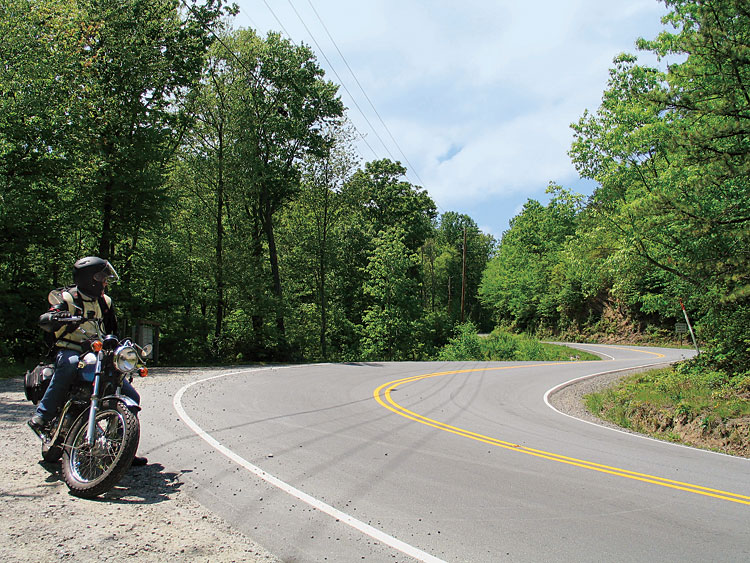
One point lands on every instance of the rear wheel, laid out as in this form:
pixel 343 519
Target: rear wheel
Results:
pixel 92 469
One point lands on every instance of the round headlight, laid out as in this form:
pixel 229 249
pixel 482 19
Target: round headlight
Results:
pixel 126 358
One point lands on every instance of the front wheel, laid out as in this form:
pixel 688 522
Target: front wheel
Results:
pixel 92 469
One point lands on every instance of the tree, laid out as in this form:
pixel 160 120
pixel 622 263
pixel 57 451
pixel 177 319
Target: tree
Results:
pixel 282 106
pixel 311 232
pixel 519 282
pixel 671 153
pixel 391 324
pixel 384 199
pixel 145 58
pixel 376 199
pixel 452 263
pixel 41 58
pixel 91 95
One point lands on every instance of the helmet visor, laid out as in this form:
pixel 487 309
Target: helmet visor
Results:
pixel 106 274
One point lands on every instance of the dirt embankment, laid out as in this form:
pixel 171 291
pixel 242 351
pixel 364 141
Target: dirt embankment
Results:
pixel 707 432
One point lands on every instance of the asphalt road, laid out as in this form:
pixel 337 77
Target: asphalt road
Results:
pixel 440 461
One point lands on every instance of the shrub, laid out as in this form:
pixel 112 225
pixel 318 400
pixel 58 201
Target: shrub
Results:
pixel 464 346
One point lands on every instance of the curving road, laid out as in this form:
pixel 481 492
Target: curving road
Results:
pixel 441 461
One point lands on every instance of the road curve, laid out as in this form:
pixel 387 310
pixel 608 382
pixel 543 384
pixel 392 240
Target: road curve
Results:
pixel 441 461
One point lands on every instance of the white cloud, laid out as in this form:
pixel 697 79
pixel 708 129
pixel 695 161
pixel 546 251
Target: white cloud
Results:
pixel 500 80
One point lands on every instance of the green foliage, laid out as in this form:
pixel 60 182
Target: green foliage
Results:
pixel 220 184
pixel 259 112
pixel 689 393
pixel 443 260
pixel 673 163
pixel 464 346
pixel 91 104
pixel 15 370
pixel 223 188
pixel 666 401
pixel 501 345
pixel 522 280
pixel 391 323
pixel 669 220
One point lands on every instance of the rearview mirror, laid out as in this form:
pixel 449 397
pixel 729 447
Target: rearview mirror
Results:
pixel 55 297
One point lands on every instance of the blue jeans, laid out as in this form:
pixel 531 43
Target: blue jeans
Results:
pixel 66 370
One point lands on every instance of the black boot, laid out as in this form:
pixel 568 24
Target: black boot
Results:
pixel 37 423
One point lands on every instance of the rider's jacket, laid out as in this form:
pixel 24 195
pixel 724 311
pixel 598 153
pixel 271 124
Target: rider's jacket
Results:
pixel 99 315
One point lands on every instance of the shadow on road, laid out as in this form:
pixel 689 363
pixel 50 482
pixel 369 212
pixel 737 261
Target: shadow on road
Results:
pixel 141 485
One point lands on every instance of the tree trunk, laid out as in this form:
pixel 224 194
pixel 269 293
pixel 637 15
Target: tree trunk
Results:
pixel 220 237
pixel 267 219
pixel 105 242
pixel 322 272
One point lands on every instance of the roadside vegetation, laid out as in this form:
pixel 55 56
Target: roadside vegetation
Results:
pixel 14 369
pixel 502 345
pixel 685 404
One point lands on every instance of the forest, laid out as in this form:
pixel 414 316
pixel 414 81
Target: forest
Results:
pixel 215 169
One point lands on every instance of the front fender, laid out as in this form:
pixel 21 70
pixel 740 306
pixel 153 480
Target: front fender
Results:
pixel 125 400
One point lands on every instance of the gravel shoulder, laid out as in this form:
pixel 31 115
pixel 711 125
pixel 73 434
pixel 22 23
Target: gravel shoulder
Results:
pixel 148 515
pixel 570 398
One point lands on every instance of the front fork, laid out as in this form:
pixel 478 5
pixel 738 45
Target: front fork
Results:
pixel 91 431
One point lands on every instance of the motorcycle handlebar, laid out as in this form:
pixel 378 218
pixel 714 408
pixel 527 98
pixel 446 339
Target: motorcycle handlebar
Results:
pixel 69 320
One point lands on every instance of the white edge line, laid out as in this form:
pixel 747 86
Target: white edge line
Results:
pixel 358 525
pixel 632 434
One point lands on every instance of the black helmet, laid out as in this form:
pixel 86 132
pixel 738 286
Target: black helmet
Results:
pixel 90 273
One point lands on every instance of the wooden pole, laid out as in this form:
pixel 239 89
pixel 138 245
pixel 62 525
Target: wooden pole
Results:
pixel 463 278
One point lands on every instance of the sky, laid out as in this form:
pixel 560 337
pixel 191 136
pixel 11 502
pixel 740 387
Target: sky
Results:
pixel 475 98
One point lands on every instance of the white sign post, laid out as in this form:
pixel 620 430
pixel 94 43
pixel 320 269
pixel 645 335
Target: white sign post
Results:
pixel 689 326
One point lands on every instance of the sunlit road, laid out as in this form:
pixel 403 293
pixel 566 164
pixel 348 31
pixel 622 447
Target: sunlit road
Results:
pixel 440 461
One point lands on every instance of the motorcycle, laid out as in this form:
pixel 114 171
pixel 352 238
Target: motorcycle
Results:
pixel 96 432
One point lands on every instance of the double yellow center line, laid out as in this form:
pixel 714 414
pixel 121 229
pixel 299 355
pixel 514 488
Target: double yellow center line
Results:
pixel 383 396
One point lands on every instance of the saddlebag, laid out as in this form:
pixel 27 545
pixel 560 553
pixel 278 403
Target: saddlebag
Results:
pixel 37 380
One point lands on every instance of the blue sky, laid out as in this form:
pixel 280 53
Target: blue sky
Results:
pixel 477 96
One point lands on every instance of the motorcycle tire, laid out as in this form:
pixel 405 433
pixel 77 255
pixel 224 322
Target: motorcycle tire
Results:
pixel 51 453
pixel 90 471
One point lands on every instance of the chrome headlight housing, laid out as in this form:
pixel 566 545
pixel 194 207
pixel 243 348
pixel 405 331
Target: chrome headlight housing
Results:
pixel 126 359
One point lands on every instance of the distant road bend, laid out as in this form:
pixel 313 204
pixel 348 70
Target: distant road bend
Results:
pixel 442 461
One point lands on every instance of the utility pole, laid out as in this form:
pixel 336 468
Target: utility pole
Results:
pixel 463 278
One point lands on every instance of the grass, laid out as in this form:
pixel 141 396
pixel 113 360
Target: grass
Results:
pixel 681 405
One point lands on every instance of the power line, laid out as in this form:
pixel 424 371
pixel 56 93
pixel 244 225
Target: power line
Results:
pixel 411 168
pixel 232 53
pixel 343 58
pixel 343 85
pixel 273 95
pixel 277 19
pixel 249 71
pixel 289 35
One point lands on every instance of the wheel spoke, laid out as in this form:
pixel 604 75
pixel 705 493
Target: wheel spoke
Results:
pixel 89 462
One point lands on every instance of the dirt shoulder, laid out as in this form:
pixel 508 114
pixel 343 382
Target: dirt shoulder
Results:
pixel 148 516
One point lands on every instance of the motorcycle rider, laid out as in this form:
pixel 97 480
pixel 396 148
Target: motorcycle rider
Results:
pixel 87 298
